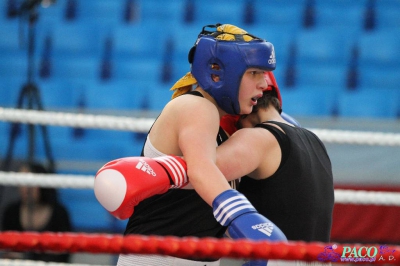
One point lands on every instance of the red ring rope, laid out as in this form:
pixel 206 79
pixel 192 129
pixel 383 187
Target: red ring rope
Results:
pixel 183 247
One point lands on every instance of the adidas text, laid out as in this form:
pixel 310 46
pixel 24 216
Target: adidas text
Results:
pixel 272 59
pixel 265 228
pixel 142 165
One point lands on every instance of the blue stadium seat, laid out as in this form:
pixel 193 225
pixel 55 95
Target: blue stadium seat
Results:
pixel 287 14
pixel 86 214
pixel 5 100
pixel 380 48
pixel 64 92
pixel 21 144
pixel 104 13
pixel 10 89
pixel 342 3
pixel 96 145
pixel 54 13
pixel 57 94
pixel 76 39
pixel 13 44
pixel 321 75
pixel 20 150
pixel 87 150
pixel 4 137
pixel 132 41
pixel 161 12
pixel 179 69
pixel 4 15
pixel 372 77
pixel 323 47
pixel 59 133
pixel 75 67
pixel 370 103
pixel 14 66
pixel 309 101
pixel 137 69
pixel 224 11
pixel 113 144
pixel 3 9
pixel 342 14
pixel 162 95
pixel 387 14
pixel 116 95
pixel 55 135
pixel 183 40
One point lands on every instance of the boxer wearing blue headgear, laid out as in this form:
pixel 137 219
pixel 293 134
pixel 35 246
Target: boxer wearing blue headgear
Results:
pixel 233 50
pixel 188 127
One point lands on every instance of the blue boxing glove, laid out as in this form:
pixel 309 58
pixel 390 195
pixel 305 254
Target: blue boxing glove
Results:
pixel 233 209
pixel 256 263
pixel 290 119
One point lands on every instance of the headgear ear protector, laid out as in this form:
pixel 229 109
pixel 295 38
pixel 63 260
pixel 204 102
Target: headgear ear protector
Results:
pixel 233 50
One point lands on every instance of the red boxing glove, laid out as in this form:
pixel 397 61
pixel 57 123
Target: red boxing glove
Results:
pixel 228 123
pixel 122 183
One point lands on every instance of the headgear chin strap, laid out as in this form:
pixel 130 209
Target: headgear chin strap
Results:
pixel 234 51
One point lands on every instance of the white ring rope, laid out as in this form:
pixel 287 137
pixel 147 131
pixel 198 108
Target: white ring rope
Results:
pixel 76 120
pixel 358 137
pixel 46 180
pixel 123 123
pixel 348 196
pixel 343 196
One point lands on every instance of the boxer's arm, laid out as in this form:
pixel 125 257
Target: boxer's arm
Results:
pixel 250 151
pixel 197 130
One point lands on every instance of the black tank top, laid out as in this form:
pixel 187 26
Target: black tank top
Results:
pixel 299 197
pixel 177 212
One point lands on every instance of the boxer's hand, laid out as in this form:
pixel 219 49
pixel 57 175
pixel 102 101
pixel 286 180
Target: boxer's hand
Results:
pixel 121 184
pixel 232 209
pixel 256 263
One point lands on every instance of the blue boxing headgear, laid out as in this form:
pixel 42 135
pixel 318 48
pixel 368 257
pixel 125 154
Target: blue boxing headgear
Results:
pixel 233 55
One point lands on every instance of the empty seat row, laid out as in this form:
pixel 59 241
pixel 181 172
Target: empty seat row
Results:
pixel 142 57
pixel 128 93
pixel 375 103
pixel 173 14
pixel 71 144
pixel 129 57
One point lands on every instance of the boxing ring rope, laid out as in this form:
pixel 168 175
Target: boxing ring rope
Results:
pixel 172 246
pixel 344 196
pixel 123 123
pixel 189 246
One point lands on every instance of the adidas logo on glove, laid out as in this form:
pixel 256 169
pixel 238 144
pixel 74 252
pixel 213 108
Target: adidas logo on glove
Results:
pixel 142 165
pixel 265 228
